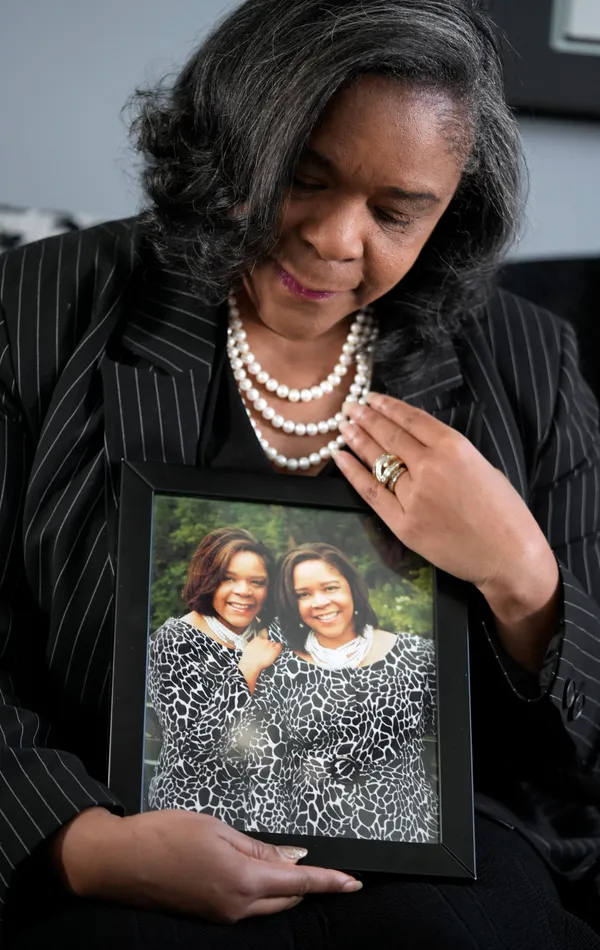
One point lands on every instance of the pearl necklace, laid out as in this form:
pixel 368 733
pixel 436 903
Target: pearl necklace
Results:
pixel 236 640
pixel 350 655
pixel 359 345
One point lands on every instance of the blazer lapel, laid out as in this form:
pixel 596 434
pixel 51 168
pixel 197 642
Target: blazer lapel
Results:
pixel 440 391
pixel 155 384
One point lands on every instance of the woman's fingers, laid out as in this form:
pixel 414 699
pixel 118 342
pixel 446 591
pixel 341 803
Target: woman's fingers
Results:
pixel 272 905
pixel 384 436
pixel 287 880
pixel 419 424
pixel 385 503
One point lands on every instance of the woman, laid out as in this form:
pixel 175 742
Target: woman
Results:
pixel 352 703
pixel 314 159
pixel 196 677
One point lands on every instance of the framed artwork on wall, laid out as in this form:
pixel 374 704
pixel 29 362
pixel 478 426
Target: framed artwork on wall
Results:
pixel 551 55
pixel 283 663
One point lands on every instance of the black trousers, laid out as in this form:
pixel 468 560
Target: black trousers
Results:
pixel 515 903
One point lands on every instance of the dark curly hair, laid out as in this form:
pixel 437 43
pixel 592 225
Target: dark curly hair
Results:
pixel 286 602
pixel 228 132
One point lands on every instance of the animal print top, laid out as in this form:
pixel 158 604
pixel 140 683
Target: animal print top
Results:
pixel 340 752
pixel 199 696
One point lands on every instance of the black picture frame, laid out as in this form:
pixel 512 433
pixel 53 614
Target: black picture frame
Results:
pixel 546 71
pixel 453 856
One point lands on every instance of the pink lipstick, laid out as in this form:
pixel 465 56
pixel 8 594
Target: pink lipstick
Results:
pixel 290 283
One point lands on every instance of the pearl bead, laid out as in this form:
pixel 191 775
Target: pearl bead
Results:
pixel 306 395
pixel 277 421
pixel 339 417
pixel 340 370
pixel 292 465
pixel 314 458
pixel 332 446
pixel 327 387
pixel 281 461
pixel 268 413
pixel 237 363
pixel 264 444
pixel 353 338
pixel 253 395
pixel 260 405
pixel 271 385
pixel 288 426
pixel 340 440
pixel 244 347
pixel 324 453
pixel 239 374
pixel 360 379
pixel 282 391
pixel 345 360
pixel 240 335
pixel 271 453
pixel 304 463
pixel 334 379
pixel 356 389
pixel 355 328
pixel 245 385
pixel 312 428
pixel 247 356
pixel 347 348
pixel 351 398
pixel 294 395
pixel 332 424
pixel 262 377
pixel 323 427
pixel 300 428
pixel 316 391
pixel 254 368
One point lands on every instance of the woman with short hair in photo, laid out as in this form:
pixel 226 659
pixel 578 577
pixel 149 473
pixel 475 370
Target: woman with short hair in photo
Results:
pixel 350 704
pixel 196 676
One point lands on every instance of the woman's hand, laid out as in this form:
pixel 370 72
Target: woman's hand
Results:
pixel 256 656
pixel 456 510
pixel 186 862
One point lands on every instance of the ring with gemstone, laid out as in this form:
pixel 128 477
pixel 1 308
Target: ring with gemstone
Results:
pixel 387 469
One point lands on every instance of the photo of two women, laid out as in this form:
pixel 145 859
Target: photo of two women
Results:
pixel 291 683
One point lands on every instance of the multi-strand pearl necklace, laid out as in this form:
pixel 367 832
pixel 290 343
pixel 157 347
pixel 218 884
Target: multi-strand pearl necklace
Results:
pixel 358 347
pixel 236 640
pixel 349 655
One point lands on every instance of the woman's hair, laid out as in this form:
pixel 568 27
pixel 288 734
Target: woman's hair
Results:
pixel 220 145
pixel 286 602
pixel 209 564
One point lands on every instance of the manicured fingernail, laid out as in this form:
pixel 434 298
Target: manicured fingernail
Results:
pixel 347 425
pixel 352 885
pixel 292 854
pixel 350 408
pixel 374 399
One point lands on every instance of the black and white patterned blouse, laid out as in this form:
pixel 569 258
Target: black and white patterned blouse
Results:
pixel 199 696
pixel 340 752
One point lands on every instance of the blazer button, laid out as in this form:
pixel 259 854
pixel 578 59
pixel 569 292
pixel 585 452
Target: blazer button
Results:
pixel 578 705
pixel 569 694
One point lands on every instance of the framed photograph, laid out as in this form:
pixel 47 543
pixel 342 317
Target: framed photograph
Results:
pixel 283 663
pixel 552 55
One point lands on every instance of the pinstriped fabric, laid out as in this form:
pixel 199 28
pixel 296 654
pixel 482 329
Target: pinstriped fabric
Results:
pixel 106 355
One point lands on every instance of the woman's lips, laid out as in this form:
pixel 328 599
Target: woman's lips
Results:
pixel 240 608
pixel 290 283
pixel 329 617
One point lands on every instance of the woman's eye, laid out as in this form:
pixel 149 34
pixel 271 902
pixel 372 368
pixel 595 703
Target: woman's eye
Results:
pixel 332 587
pixel 260 583
pixel 391 219
pixel 303 185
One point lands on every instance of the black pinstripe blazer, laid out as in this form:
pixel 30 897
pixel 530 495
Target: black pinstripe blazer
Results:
pixel 104 354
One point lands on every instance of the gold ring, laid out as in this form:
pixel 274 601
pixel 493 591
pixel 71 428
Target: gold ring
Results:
pixel 387 469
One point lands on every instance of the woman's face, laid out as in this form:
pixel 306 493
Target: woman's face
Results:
pixel 325 602
pixel 380 170
pixel 242 592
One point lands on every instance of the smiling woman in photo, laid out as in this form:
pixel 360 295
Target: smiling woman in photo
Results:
pixel 350 704
pixel 196 676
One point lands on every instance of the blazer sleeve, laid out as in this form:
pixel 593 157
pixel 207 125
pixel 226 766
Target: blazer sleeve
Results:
pixel 565 500
pixel 41 788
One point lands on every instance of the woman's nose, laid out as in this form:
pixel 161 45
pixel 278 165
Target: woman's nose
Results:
pixel 336 233
pixel 242 588
pixel 320 600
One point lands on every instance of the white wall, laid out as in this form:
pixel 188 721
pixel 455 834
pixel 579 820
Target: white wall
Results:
pixel 67 67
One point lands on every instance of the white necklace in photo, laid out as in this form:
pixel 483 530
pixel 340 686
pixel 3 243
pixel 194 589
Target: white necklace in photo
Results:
pixel 236 640
pixel 359 346
pixel 350 655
